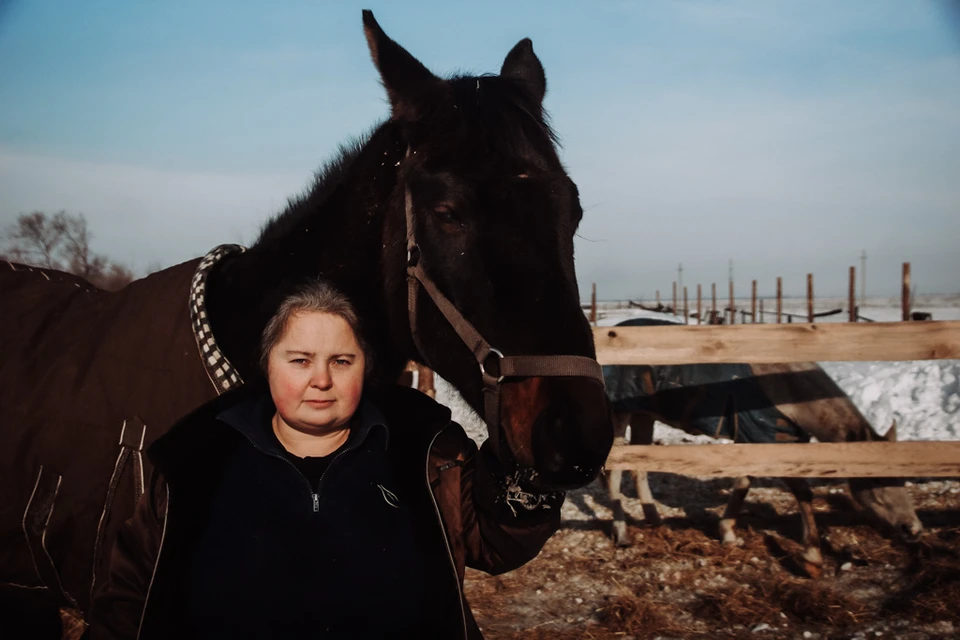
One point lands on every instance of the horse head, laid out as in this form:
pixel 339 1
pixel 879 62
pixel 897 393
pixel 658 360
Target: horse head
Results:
pixel 482 219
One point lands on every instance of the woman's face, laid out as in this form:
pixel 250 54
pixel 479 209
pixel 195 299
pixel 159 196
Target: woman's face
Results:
pixel 316 372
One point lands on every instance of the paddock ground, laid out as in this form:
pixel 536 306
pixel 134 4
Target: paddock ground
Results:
pixel 678 581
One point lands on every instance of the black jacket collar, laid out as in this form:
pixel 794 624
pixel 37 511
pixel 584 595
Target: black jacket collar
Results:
pixel 412 416
pixel 250 417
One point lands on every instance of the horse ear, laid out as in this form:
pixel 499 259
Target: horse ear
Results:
pixel 403 76
pixel 522 64
pixel 891 434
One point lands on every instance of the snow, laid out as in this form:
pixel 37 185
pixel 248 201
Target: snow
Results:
pixel 923 397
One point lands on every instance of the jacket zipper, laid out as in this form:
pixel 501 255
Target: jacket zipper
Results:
pixel 314 495
pixel 446 541
pixel 163 535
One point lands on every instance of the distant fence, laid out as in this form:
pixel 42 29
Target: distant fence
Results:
pixel 756 314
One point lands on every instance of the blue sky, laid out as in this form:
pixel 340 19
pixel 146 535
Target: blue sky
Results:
pixel 788 136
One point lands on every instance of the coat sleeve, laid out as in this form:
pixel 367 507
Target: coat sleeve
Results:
pixel 502 526
pixel 118 602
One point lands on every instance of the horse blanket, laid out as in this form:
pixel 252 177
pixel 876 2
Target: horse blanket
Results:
pixel 718 400
pixel 88 379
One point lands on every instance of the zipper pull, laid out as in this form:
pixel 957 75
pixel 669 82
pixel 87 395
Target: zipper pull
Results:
pixel 316 502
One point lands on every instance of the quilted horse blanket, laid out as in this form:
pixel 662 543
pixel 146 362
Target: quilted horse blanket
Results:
pixel 88 379
pixel 718 400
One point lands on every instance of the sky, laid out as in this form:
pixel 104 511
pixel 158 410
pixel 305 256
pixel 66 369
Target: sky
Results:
pixel 788 137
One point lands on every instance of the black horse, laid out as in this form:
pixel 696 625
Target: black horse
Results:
pixel 451 228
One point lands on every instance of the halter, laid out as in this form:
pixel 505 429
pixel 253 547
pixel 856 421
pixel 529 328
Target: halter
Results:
pixel 494 365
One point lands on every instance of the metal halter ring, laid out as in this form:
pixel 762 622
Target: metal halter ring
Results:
pixel 413 255
pixel 483 368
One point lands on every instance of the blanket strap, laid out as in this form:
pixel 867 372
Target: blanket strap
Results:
pixel 132 435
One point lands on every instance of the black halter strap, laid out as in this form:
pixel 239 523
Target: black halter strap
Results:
pixel 494 365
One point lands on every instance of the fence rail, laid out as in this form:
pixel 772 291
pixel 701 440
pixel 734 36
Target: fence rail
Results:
pixel 770 343
pixel 807 460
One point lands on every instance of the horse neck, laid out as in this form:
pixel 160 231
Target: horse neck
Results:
pixel 351 235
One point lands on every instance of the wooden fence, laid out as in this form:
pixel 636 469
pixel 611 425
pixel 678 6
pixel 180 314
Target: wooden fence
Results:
pixel 776 343
pixel 728 314
pixel 757 343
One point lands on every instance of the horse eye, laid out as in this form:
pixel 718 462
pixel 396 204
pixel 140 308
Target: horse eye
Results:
pixel 445 214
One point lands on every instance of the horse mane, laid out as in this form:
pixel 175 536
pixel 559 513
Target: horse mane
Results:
pixel 507 111
pixel 325 181
pixel 507 115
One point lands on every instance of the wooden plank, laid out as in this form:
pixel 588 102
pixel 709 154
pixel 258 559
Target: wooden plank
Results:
pixel 807 460
pixel 593 305
pixel 852 301
pixel 779 299
pixel 733 309
pixel 699 306
pixel 905 292
pixel 771 343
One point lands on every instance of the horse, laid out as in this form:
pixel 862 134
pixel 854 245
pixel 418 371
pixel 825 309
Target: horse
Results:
pixel 450 226
pixel 748 403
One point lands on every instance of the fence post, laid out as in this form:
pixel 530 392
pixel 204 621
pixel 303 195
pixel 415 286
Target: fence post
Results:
pixel 425 382
pixel 593 305
pixel 699 306
pixel 713 309
pixel 753 304
pixel 761 310
pixel 779 300
pixel 674 297
pixel 810 298
pixel 686 310
pixel 658 299
pixel 733 310
pixel 905 291
pixel 852 301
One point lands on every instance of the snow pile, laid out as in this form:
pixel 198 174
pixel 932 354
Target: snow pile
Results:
pixel 923 396
pixel 461 412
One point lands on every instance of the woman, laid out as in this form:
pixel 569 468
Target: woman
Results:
pixel 312 507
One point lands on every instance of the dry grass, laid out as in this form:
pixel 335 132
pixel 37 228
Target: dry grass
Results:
pixel 679 581
pixel 639 614
pixel 764 600
pixel 933 590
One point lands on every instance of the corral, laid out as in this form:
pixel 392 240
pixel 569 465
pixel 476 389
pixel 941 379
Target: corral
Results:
pixel 678 581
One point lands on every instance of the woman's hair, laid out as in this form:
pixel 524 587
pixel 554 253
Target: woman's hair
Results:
pixel 315 296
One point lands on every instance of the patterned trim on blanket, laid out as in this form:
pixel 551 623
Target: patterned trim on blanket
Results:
pixel 222 374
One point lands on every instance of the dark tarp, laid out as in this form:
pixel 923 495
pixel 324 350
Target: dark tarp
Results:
pixel 718 400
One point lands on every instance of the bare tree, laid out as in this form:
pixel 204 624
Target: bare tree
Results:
pixel 113 278
pixel 63 242
pixel 35 239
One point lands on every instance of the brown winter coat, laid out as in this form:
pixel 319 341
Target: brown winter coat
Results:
pixel 466 508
